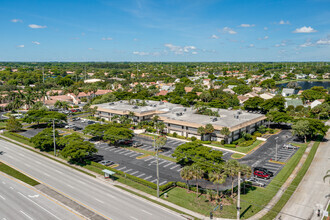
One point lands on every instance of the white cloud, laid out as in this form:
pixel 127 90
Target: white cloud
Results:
pixel 180 49
pixel 141 53
pixel 247 25
pixel 107 38
pixel 263 38
pixel 20 46
pixel 305 29
pixel 16 20
pixel 135 39
pixel 90 48
pixel 214 36
pixel 35 26
pixel 194 52
pixel 265 28
pixel 282 44
pixel 35 42
pixel 284 22
pixel 229 30
pixel 324 41
pixel 251 45
pixel 308 43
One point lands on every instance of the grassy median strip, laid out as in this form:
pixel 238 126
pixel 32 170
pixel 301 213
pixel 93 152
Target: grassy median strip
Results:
pixel 16 174
pixel 291 189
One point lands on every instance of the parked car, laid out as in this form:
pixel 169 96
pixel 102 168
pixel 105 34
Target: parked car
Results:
pixel 255 182
pixel 264 170
pixel 106 162
pixel 94 157
pixel 90 122
pixel 261 174
pixel 136 144
pixel 289 146
pixel 76 128
pixel 69 126
pixel 125 142
pixel 75 119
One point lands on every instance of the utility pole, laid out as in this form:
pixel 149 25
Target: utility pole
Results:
pixel 54 137
pixel 239 196
pixel 157 167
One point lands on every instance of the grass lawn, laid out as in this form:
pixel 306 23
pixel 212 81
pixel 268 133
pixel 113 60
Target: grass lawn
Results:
pixel 2 125
pixel 17 138
pixel 241 149
pixel 149 135
pixel 152 153
pixel 291 189
pixel 16 174
pixel 237 156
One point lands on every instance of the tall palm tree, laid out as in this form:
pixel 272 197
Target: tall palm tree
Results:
pixel 218 177
pixel 225 132
pixel 209 129
pixel 232 167
pixel 197 173
pixel 186 174
pixel 201 131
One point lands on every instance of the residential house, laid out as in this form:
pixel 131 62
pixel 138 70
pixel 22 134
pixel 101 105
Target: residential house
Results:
pixel 293 102
pixel 288 92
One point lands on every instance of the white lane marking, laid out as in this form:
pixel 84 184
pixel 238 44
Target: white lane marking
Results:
pixel 146 212
pixel 111 196
pixel 10 156
pixel 34 196
pixel 99 200
pixel 134 218
pixel 58 171
pixel 29 217
pixel 3 182
pixel 6 147
pixel 70 186
pixel 2 197
pixel 38 162
pixel 11 187
pixel 46 174
pixel 27 165
pixel 21 155
pixel 39 205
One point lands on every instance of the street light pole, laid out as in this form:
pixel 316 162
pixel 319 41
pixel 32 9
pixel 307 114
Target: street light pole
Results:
pixel 157 167
pixel 239 195
pixel 54 137
pixel 276 148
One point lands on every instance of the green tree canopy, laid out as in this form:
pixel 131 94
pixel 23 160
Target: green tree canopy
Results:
pixel 96 129
pixel 13 124
pixel 254 103
pixel 242 89
pixel 44 139
pixel 114 134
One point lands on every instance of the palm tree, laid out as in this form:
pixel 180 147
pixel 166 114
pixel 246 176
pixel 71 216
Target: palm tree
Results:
pixel 114 118
pixel 43 94
pixel 218 177
pixel 29 99
pixel 160 126
pixel 76 93
pixel 232 167
pixel 197 173
pixel 186 174
pixel 225 132
pixel 209 129
pixel 201 131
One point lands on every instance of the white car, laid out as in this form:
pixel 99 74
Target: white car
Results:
pixel 69 126
pixel 289 146
pixel 256 182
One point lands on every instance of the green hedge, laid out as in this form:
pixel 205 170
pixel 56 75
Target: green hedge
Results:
pixel 247 143
pixel 134 178
pixel 230 145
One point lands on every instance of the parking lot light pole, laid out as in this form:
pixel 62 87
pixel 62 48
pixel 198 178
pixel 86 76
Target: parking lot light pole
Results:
pixel 157 168
pixel 276 148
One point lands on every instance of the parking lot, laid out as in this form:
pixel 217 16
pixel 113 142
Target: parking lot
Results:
pixel 144 168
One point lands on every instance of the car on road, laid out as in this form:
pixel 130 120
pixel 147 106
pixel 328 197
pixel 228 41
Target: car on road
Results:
pixel 263 170
pixel 107 162
pixel 255 182
pixel 289 146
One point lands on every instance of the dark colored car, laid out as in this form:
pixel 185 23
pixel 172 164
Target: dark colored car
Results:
pixel 263 170
pixel 261 174
pixel 125 142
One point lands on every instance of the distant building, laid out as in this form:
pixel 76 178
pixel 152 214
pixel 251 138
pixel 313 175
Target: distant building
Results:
pixel 183 121
pixel 293 102
pixel 288 92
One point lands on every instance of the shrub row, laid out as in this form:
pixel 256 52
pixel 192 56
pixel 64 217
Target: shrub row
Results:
pixel 20 136
pixel 230 145
pixel 247 143
pixel 135 179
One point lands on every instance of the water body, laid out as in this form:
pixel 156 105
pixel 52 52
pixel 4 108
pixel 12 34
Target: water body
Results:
pixel 308 84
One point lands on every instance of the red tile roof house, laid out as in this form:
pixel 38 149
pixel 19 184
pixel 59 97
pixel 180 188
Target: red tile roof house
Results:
pixel 88 95
pixel 188 89
pixel 242 99
pixel 162 92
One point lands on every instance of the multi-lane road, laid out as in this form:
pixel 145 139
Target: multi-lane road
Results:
pixel 105 199
pixel 19 201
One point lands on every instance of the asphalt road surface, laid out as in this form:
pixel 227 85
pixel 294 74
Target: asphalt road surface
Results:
pixel 312 193
pixel 18 201
pixel 90 192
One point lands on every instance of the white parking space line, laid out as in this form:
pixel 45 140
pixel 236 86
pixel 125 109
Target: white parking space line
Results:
pixel 147 177
pixel 154 181
pixel 162 162
pixel 163 182
pixel 168 164
pixel 122 152
pixel 129 153
pixel 140 175
pixel 134 155
pixel 134 218
pixel 118 150
pixel 179 170
pixel 21 154
pixel 2 197
pixel 121 168
pixel 38 162
pixel 135 172
pixel 150 158
pixel 174 167
pixel 223 154
pixel 127 170
pixel 112 149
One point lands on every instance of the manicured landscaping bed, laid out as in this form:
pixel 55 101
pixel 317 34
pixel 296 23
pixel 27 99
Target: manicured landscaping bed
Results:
pixel 240 149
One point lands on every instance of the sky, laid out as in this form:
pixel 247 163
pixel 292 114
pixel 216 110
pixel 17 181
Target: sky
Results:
pixel 165 30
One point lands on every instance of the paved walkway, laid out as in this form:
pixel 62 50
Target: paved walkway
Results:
pixel 312 192
pixel 287 183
